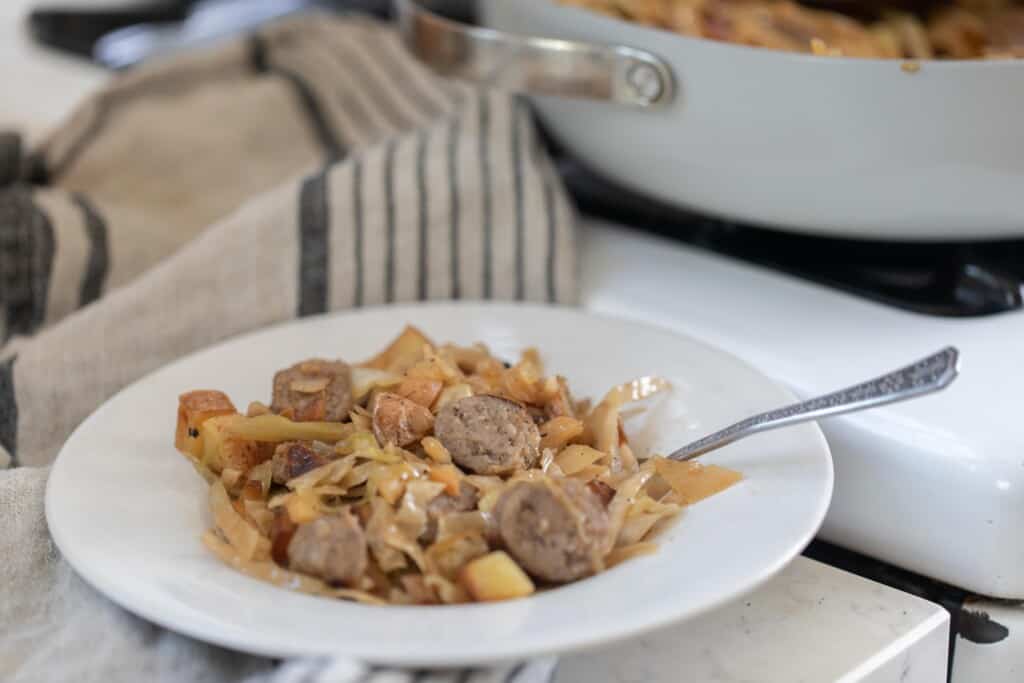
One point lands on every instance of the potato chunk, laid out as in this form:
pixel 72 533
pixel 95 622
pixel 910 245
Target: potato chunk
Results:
pixel 495 576
pixel 405 351
pixel 195 408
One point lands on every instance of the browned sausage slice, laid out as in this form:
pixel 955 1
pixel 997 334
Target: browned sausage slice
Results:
pixel 553 528
pixel 332 548
pixel 488 434
pixel 314 390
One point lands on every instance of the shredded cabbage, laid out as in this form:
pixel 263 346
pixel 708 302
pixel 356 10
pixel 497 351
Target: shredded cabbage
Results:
pixel 427 540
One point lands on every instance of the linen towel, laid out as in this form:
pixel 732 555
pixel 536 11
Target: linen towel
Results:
pixel 311 167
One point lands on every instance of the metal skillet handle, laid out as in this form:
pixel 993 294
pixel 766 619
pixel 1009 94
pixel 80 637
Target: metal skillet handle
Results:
pixel 923 377
pixel 542 66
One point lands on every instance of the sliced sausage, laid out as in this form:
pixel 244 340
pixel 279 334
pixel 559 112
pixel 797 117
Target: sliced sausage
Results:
pixel 488 434
pixel 332 547
pixel 399 421
pixel 553 528
pixel 293 459
pixel 314 390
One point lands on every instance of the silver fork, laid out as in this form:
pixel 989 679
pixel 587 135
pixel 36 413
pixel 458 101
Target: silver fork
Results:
pixel 926 376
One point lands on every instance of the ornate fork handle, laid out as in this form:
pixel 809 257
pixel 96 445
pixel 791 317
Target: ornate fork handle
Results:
pixel 928 375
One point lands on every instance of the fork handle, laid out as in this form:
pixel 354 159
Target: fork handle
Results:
pixel 926 376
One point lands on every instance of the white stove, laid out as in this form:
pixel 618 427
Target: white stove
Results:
pixel 934 486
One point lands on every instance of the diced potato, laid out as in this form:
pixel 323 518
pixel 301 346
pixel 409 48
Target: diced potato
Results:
pixel 449 475
pixel 495 576
pixel 195 408
pixel 694 481
pixel 402 353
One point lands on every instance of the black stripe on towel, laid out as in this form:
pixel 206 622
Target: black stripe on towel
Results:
pixel 513 674
pixel 549 210
pixel 8 410
pixel 257 54
pixel 96 268
pixel 10 157
pixel 517 185
pixel 453 202
pixel 314 219
pixel 325 135
pixel 389 207
pixel 26 260
pixel 424 208
pixel 485 183
pixel 357 222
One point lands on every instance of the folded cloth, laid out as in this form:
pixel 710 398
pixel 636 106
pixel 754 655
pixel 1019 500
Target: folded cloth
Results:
pixel 311 167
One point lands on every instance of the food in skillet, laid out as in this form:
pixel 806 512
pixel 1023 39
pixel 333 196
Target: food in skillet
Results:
pixel 429 475
pixel 964 29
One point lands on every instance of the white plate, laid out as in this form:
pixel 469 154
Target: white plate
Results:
pixel 127 510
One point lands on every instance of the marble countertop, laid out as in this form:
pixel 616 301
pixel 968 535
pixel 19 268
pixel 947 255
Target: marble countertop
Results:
pixel 811 623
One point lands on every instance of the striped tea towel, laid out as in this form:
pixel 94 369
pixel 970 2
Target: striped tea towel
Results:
pixel 312 167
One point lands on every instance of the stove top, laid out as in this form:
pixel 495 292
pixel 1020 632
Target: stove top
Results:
pixel 940 279
pixel 935 486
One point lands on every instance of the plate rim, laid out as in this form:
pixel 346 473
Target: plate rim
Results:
pixel 105 586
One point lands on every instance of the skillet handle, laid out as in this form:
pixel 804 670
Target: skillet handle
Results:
pixel 539 66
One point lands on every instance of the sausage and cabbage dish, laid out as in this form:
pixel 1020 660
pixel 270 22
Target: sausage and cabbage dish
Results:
pixel 962 29
pixel 430 474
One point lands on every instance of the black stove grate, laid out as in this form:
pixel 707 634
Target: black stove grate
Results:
pixel 935 278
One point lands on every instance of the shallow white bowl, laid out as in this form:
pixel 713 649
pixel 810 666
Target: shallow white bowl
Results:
pixel 127 510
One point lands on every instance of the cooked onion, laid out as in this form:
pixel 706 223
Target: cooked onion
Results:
pixel 428 525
